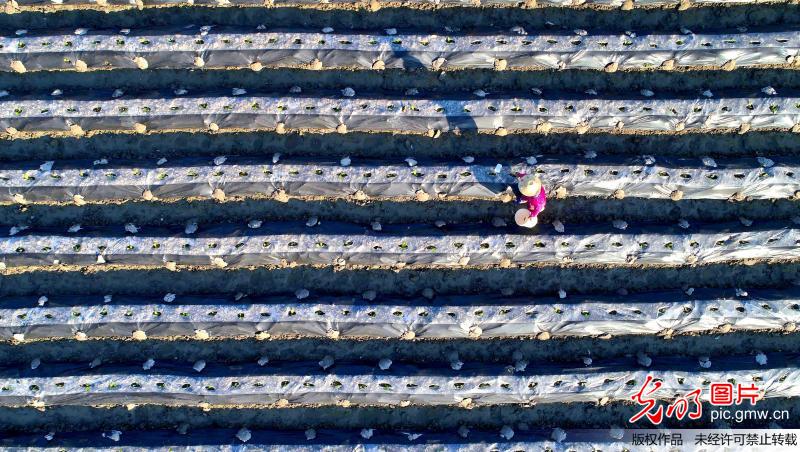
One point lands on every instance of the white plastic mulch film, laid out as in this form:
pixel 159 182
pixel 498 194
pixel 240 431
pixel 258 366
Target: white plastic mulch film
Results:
pixel 346 244
pixel 212 47
pixel 248 112
pixel 391 317
pixel 327 382
pixel 643 177
pixel 564 3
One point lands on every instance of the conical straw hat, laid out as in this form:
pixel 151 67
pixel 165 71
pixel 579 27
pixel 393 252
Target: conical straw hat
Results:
pixel 530 185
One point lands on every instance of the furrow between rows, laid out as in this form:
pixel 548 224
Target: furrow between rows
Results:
pixel 452 146
pixel 238 210
pixel 538 280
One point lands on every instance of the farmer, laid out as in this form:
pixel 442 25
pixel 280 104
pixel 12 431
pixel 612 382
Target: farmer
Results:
pixel 534 194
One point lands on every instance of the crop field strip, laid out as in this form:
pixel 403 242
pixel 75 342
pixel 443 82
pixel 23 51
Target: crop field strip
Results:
pixel 341 244
pixel 245 112
pixel 218 178
pixel 366 315
pixel 205 47
pixel 300 234
pixel 383 383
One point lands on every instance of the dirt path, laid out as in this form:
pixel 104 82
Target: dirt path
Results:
pixel 570 210
pixel 544 280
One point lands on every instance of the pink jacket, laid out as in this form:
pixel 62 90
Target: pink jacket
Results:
pixel 536 203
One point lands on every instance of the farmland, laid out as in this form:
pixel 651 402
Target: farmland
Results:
pixel 291 225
